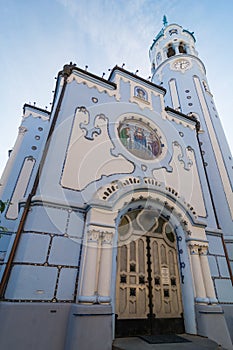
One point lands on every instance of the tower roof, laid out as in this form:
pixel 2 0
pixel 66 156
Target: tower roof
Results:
pixel 165 28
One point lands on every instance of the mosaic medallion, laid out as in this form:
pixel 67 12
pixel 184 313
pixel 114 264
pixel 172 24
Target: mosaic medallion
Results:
pixel 139 139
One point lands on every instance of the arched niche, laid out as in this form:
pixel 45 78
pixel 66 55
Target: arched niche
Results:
pixel 173 222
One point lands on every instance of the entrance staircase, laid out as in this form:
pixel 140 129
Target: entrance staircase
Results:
pixel 165 342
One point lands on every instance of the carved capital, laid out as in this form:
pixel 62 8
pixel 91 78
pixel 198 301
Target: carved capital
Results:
pixel 194 249
pixel 107 238
pixel 93 236
pixel 199 248
pixel 100 237
pixel 203 250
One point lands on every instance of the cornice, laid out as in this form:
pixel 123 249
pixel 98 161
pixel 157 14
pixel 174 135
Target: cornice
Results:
pixel 138 78
pixel 86 73
pixel 190 118
pixel 36 112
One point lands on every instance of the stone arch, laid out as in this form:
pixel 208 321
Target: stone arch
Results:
pixel 98 265
pixel 147 264
pixel 128 189
pixel 181 229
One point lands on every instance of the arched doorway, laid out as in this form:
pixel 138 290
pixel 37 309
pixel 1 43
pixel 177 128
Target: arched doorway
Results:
pixel 148 293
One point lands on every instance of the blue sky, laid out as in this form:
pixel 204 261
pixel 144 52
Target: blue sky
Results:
pixel 38 37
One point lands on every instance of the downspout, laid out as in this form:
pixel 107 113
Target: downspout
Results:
pixel 227 258
pixel 67 70
pixel 207 179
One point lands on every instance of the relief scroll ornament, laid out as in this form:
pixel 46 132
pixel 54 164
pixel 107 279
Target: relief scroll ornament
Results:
pixel 91 147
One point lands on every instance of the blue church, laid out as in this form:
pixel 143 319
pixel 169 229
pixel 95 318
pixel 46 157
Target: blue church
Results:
pixel 119 209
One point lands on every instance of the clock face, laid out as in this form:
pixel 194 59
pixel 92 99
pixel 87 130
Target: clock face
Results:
pixel 181 65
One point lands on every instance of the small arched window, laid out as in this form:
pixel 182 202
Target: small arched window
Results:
pixel 182 48
pixel 153 67
pixel 170 51
pixel 173 31
pixel 158 58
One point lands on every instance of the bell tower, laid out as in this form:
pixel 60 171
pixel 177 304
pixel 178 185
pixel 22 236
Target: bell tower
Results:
pixel 175 65
pixel 172 40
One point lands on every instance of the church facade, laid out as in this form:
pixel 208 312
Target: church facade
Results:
pixel 119 209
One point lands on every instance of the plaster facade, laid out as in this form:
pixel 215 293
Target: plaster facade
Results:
pixel 109 148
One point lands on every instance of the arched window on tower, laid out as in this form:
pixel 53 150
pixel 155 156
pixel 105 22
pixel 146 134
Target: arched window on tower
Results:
pixel 182 48
pixel 170 51
pixel 153 67
pixel 158 58
pixel 173 31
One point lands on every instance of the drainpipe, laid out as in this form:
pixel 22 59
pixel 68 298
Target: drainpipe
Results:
pixel 206 175
pixel 227 258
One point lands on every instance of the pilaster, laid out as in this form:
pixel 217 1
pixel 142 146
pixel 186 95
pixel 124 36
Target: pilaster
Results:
pixel 105 270
pixel 97 267
pixel 90 267
pixel 209 287
pixel 200 296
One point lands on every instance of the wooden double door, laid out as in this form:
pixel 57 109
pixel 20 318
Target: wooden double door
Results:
pixel 148 295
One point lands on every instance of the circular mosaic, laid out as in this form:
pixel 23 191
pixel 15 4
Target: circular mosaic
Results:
pixel 139 139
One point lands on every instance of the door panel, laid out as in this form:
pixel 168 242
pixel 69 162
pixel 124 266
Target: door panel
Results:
pixel 148 295
pixel 165 279
pixel 132 292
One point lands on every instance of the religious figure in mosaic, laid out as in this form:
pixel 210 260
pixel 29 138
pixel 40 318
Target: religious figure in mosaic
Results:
pixel 140 93
pixel 139 139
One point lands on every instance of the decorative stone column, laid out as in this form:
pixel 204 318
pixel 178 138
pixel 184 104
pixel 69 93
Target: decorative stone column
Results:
pixel 197 274
pixel 176 48
pixel 210 292
pixel 88 289
pixel 93 310
pixel 105 269
pixel 97 267
pixel 187 47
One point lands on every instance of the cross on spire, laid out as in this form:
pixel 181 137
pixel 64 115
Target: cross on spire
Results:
pixel 165 22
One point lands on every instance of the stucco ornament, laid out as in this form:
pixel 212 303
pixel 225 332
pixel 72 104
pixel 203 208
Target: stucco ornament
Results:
pixel 183 157
pixel 131 144
pixel 90 137
pixel 90 126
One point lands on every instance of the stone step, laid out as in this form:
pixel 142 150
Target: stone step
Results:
pixel 166 342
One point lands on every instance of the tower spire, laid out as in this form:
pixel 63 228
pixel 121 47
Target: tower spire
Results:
pixel 165 22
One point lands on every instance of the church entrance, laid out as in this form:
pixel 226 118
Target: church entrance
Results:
pixel 148 295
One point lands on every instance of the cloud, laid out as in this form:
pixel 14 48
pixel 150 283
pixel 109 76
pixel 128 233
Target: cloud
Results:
pixel 118 30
